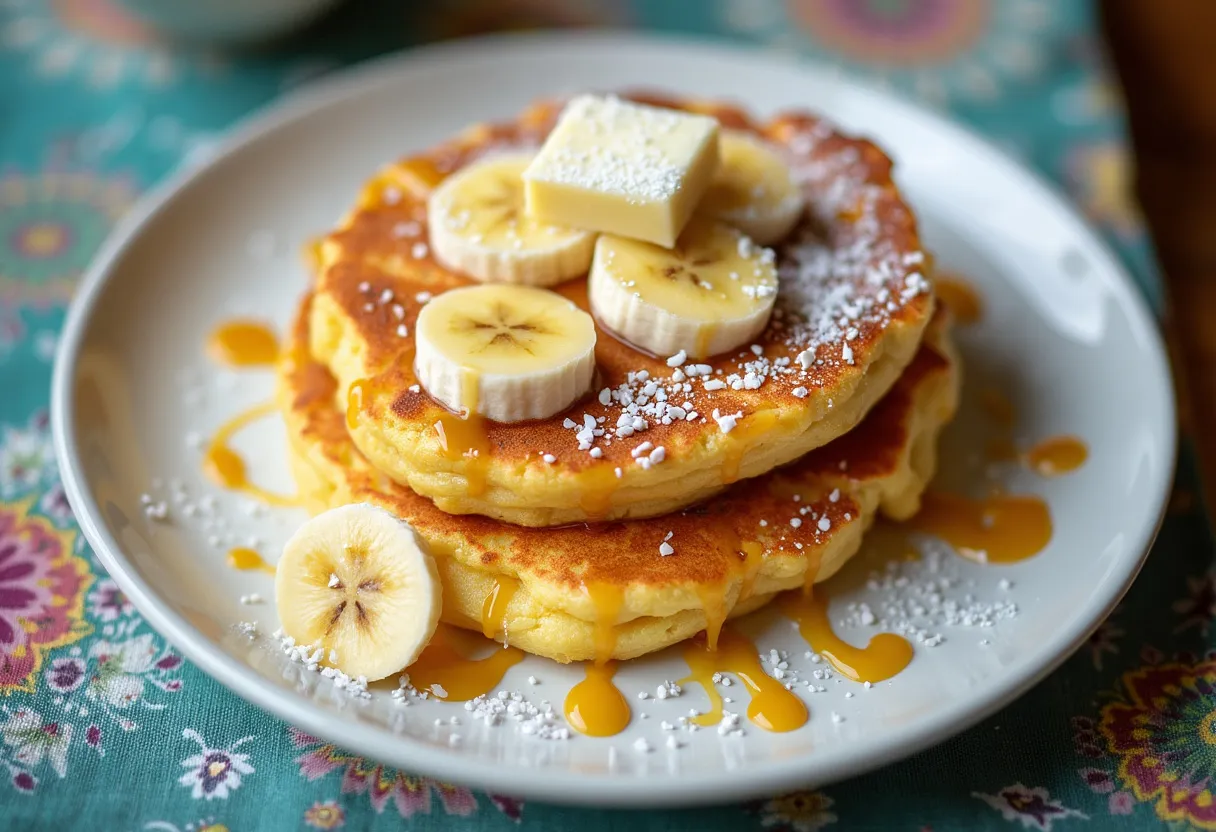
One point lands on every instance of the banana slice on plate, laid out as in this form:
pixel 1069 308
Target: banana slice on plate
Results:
pixel 478 228
pixel 712 293
pixel 508 353
pixel 753 189
pixel 357 582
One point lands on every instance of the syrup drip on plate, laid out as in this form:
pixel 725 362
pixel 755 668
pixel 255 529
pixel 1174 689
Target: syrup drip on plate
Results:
pixel 886 655
pixel 1003 528
pixel 494 607
pixel 595 706
pixel 227 468
pixel 447 671
pixel 241 343
pixel 247 560
pixel 1057 455
pixel 1051 457
pixel 960 296
pixel 772 707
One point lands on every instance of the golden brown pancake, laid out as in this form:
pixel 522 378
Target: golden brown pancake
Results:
pixel 852 306
pixel 577 586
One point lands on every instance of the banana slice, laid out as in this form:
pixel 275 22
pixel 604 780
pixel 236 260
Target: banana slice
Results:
pixel 711 293
pixel 753 189
pixel 357 582
pixel 478 227
pixel 509 353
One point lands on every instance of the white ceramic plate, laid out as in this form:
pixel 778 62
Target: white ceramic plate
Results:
pixel 1065 333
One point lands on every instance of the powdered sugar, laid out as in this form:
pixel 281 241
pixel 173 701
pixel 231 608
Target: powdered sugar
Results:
pixel 839 289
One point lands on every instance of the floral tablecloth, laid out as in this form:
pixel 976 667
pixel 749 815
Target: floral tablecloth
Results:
pixel 104 726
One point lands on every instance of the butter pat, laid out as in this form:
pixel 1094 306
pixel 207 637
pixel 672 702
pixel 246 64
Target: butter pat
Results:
pixel 622 168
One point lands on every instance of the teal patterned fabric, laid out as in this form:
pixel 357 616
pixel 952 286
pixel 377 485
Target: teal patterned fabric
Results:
pixel 104 726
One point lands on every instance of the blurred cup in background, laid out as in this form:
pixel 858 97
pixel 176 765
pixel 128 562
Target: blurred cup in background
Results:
pixel 222 22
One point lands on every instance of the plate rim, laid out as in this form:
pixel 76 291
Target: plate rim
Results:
pixel 559 787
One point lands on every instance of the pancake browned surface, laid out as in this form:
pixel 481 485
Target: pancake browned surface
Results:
pixel 730 554
pixel 852 306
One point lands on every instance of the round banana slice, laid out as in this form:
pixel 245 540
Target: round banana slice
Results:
pixel 357 582
pixel 712 293
pixel 508 353
pixel 478 227
pixel 753 189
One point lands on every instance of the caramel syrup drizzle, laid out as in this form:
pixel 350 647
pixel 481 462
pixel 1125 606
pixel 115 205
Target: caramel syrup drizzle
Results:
pixel 1003 528
pixel 1057 455
pixel 772 707
pixel 248 560
pixel 884 656
pixel 595 706
pixel 446 671
pixel 740 439
pixel 462 437
pixel 1051 457
pixel 243 343
pixel 494 607
pixel 227 467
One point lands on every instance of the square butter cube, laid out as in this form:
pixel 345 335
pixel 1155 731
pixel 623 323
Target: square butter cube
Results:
pixel 622 168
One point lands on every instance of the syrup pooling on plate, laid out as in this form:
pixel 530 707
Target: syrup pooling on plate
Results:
pixel 772 707
pixel 247 560
pixel 595 706
pixel 1057 455
pixel 227 467
pixel 1004 528
pixel 241 343
pixel 1050 457
pixel 447 671
pixel 886 654
pixel 1001 528
pixel 494 608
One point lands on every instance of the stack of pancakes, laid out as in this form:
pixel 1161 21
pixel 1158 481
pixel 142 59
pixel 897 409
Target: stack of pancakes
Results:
pixel 580 556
